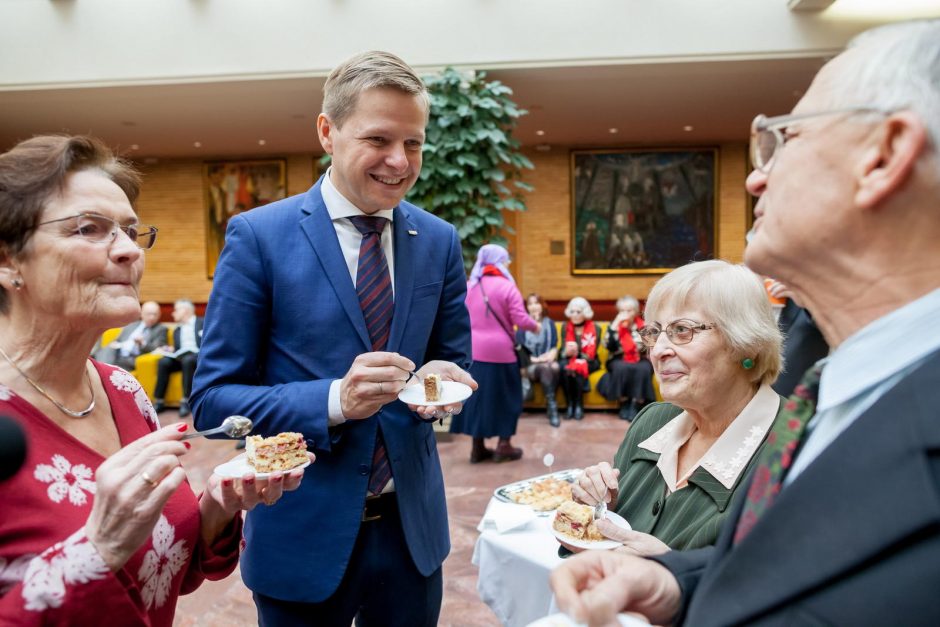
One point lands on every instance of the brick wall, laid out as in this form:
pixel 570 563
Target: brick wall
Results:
pixel 172 199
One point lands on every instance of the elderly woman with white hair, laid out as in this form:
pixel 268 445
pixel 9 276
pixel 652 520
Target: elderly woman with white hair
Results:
pixel 715 347
pixel 578 355
pixel 629 377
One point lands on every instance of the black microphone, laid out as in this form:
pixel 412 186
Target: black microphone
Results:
pixel 12 447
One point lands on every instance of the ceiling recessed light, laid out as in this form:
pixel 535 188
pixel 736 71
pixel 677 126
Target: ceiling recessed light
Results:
pixel 613 131
pixel 135 147
pixel 539 132
pixel 688 127
pixel 197 144
pixel 261 142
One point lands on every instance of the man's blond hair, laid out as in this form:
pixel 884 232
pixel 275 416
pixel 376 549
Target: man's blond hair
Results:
pixel 368 70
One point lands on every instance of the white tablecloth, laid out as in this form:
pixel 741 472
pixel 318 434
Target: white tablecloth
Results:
pixel 514 568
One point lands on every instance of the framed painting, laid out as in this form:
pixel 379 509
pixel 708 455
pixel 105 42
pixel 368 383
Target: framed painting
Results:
pixel 232 187
pixel 642 211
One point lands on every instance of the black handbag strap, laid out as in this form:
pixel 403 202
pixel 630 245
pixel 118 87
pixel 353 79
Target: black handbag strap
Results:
pixel 486 301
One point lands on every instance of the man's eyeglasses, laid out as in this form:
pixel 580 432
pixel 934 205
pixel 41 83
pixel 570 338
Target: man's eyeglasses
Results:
pixel 679 331
pixel 768 134
pixel 103 230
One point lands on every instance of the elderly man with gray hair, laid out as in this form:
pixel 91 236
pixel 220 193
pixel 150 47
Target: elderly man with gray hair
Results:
pixel 840 524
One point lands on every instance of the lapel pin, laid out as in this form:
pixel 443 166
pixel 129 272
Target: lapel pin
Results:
pixel 412 232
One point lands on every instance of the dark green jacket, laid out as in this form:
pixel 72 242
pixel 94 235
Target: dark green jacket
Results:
pixel 686 519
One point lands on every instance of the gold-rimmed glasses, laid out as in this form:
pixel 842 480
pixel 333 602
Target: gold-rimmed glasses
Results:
pixel 100 229
pixel 678 331
pixel 768 135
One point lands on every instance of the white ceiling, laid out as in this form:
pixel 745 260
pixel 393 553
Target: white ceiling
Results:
pixel 648 104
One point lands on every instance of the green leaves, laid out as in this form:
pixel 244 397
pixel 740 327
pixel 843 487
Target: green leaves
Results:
pixel 470 158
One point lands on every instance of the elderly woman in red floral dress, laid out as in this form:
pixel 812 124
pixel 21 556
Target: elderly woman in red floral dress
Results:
pixel 100 525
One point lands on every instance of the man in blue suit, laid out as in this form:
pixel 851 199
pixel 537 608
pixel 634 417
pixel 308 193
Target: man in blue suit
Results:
pixel 841 520
pixel 322 304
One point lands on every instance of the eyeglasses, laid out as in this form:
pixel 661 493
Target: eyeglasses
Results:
pixel 768 134
pixel 679 331
pixel 103 230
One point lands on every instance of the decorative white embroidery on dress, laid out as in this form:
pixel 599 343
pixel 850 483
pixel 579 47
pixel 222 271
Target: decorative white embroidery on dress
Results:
pixel 123 381
pixel 742 455
pixel 71 562
pixel 65 479
pixel 11 573
pixel 6 393
pixel 161 563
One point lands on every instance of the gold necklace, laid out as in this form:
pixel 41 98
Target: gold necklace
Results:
pixel 62 408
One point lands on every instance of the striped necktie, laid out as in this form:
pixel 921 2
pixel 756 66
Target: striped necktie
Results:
pixel 374 288
pixel 779 451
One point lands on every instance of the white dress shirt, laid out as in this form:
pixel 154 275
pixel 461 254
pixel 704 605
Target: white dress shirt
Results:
pixel 340 210
pixel 864 367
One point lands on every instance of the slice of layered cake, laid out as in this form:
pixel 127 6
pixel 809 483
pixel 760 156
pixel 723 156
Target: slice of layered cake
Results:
pixel 577 521
pixel 432 388
pixel 279 452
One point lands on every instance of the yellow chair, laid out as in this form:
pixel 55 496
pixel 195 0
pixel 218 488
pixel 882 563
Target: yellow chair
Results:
pixel 145 370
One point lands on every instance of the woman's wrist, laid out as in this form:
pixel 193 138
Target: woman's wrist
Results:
pixel 213 518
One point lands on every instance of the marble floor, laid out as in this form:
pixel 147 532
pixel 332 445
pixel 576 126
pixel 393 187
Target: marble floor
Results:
pixel 469 488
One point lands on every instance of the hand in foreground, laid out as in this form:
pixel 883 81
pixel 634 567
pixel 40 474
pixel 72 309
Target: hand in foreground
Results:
pixel 594 586
pixel 449 372
pixel 781 290
pixel 597 483
pixel 132 486
pixel 373 380
pixel 233 495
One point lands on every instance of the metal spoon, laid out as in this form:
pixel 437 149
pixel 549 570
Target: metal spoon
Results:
pixel 412 373
pixel 600 510
pixel 233 427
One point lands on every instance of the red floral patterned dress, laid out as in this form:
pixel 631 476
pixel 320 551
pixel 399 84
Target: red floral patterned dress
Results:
pixel 50 574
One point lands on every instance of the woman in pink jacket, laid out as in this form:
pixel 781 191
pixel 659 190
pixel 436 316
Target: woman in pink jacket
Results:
pixel 495 306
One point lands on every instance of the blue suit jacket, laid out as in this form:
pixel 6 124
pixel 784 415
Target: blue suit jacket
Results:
pixel 282 323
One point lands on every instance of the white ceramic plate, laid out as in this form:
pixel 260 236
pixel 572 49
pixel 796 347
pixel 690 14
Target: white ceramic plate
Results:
pixel 451 392
pixel 613 517
pixel 562 620
pixel 237 467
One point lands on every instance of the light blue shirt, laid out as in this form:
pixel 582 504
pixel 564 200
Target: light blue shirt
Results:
pixel 864 368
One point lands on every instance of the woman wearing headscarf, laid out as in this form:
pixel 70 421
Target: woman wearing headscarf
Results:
pixel 495 307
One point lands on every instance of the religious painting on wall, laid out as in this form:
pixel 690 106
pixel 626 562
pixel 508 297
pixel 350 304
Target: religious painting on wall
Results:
pixel 642 211
pixel 232 187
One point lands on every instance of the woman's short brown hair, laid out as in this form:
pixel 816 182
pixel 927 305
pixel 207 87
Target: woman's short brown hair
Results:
pixel 541 302
pixel 36 169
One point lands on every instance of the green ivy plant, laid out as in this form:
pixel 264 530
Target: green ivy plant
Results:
pixel 472 165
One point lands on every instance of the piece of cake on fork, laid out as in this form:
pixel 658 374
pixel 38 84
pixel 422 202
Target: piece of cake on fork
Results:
pixel 279 452
pixel 432 388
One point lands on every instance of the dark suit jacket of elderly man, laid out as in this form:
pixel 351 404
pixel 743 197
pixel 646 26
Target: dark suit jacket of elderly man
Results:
pixel 282 323
pixel 870 553
pixel 154 338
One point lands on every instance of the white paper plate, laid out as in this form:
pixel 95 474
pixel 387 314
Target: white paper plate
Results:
pixel 451 392
pixel 237 467
pixel 613 517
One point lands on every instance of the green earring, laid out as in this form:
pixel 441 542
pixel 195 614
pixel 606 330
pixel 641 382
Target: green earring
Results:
pixel 748 363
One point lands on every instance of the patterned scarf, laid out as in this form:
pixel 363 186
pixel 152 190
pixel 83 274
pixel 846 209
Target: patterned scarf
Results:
pixel 588 346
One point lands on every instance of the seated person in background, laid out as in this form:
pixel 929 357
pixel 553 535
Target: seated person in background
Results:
pixel 543 350
pixel 187 338
pixel 578 355
pixel 137 338
pixel 803 342
pixel 716 349
pixel 629 378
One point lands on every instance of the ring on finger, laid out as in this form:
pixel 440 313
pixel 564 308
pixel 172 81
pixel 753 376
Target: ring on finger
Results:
pixel 150 480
